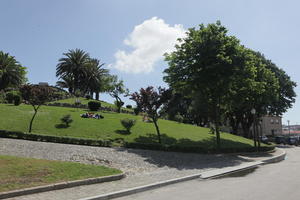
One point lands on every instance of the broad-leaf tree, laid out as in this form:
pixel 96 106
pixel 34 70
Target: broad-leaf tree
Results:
pixel 254 86
pixel 202 66
pixel 36 95
pixel 150 101
pixel 115 89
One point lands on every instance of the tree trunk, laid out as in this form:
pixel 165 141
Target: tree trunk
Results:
pixel 97 96
pixel 157 129
pixel 254 134
pixel 217 121
pixel 257 136
pixel 31 121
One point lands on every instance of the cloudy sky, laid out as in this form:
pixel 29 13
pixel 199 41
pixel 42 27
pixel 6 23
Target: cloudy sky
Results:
pixel 131 36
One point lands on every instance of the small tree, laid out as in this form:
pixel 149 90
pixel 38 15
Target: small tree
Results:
pixel 66 120
pixel 36 95
pixel 128 124
pixel 149 101
pixel 115 89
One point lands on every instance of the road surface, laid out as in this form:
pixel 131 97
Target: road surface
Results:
pixel 279 181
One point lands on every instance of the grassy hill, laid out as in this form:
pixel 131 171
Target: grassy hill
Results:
pixel 16 118
pixel 85 101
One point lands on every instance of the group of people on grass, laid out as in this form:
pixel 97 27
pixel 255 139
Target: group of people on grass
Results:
pixel 91 115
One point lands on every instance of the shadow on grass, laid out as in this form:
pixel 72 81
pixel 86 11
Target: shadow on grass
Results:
pixel 61 126
pixel 122 132
pixel 190 161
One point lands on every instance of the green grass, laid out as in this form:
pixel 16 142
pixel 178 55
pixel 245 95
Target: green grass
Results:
pixel 18 173
pixel 16 118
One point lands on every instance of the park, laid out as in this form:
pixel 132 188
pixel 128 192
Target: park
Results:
pixel 63 141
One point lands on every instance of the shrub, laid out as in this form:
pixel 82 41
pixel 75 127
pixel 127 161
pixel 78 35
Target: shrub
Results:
pixel 129 106
pixel 136 110
pixel 94 105
pixel 10 97
pixel 128 124
pixel 17 100
pixel 178 118
pixel 88 96
pixel 77 102
pixel 66 120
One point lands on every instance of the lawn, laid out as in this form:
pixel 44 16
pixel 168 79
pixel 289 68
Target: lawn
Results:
pixel 18 173
pixel 16 118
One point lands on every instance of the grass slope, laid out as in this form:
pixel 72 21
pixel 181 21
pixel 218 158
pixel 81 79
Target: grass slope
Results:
pixel 16 118
pixel 18 173
pixel 85 101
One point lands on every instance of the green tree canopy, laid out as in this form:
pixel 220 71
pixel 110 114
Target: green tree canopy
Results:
pixel 203 65
pixel 12 73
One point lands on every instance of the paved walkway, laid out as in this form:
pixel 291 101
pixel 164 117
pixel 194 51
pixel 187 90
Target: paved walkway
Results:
pixel 141 166
pixel 270 182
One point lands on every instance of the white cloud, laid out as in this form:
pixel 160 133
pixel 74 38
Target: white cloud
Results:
pixel 149 40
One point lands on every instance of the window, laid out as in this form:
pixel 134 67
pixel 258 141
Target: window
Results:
pixel 272 121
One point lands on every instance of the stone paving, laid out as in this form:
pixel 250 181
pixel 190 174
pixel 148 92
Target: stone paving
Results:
pixel 141 166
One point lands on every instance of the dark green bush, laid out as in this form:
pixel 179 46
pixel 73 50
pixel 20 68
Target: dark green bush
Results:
pixel 66 120
pixel 178 118
pixel 129 106
pixel 192 149
pixel 17 100
pixel 128 124
pixel 94 105
pixel 136 110
pixel 88 96
pixel 10 96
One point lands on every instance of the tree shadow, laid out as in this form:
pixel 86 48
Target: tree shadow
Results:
pixel 61 126
pixel 193 160
pixel 122 132
pixel 153 139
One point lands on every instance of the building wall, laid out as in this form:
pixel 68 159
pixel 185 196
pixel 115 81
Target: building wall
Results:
pixel 271 125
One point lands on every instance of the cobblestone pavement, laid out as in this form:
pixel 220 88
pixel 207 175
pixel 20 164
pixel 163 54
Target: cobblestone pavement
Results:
pixel 141 166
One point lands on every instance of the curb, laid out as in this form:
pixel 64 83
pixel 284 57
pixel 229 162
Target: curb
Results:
pixel 203 176
pixel 274 159
pixel 141 188
pixel 61 185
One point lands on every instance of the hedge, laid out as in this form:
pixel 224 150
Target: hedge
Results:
pixel 134 145
pixel 55 139
pixel 192 149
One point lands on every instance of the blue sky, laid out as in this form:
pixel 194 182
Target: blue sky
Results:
pixel 38 32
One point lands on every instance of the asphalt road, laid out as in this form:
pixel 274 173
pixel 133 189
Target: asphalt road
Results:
pixel 279 181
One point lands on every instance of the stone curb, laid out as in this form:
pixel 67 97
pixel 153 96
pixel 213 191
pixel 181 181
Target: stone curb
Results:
pixel 213 174
pixel 61 185
pixel 274 159
pixel 141 188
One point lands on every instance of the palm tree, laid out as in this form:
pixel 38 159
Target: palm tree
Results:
pixel 72 67
pixel 12 73
pixel 66 82
pixel 95 75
